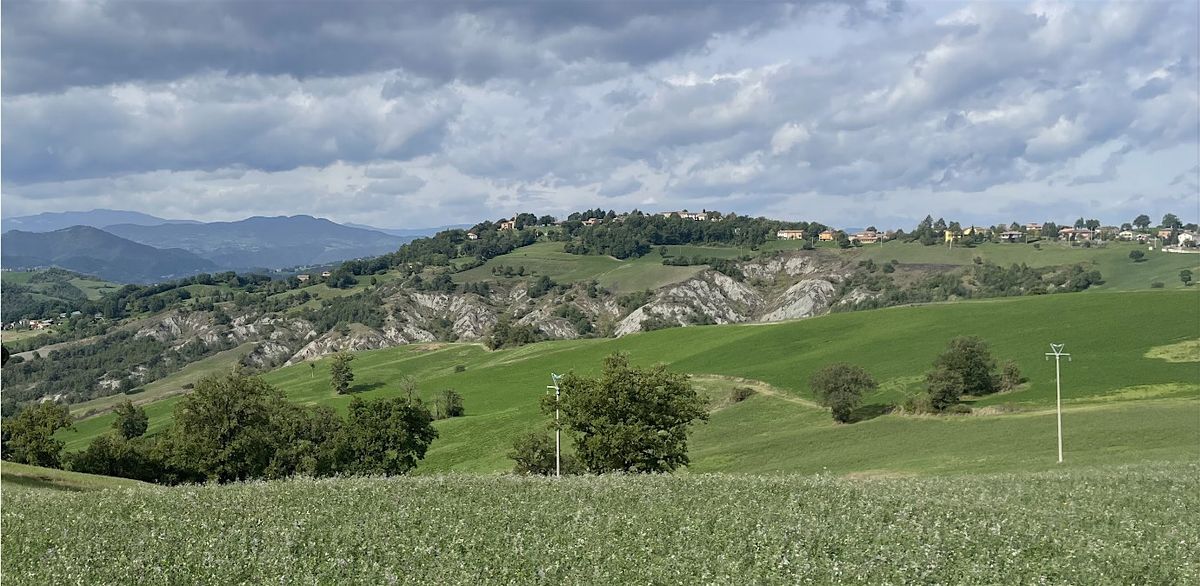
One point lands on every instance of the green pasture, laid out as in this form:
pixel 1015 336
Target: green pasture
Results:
pixel 1112 383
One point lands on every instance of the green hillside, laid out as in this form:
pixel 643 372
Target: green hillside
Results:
pixel 21 477
pixel 1122 405
pixel 1112 259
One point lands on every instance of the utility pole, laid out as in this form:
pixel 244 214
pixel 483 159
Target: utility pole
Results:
pixel 1057 353
pixel 557 429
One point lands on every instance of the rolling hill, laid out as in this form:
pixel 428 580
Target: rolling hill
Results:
pixel 258 242
pixel 1124 404
pixel 95 252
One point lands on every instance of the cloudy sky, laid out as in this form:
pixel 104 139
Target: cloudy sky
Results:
pixel 421 114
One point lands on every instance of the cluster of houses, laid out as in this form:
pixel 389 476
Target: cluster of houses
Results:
pixel 42 324
pixel 304 278
pixel 1164 235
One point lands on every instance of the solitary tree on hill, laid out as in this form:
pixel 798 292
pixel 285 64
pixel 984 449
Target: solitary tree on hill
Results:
pixel 1136 255
pixel 971 359
pixel 841 388
pixel 1186 276
pixel 340 373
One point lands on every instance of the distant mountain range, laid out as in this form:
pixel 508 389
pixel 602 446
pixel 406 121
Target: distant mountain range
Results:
pixel 267 242
pixel 51 221
pixel 254 243
pixel 411 233
pixel 93 251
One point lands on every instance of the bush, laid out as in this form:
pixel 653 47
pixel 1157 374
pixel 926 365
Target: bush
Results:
pixel 533 453
pixel 918 404
pixel 1010 376
pixel 958 409
pixel 460 368
pixel 970 358
pixel 739 394
pixel 1136 255
pixel 1157 285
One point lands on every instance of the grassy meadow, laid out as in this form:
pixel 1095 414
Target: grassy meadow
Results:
pixel 22 477
pixel 1111 525
pixel 1123 403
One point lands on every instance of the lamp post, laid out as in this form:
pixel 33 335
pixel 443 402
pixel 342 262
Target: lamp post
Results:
pixel 1057 353
pixel 557 429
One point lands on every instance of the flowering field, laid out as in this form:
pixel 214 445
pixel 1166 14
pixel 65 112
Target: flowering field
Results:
pixel 1131 524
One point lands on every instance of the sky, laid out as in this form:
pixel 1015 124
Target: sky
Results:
pixel 422 114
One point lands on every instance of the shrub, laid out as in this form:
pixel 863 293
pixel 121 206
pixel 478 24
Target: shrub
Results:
pixel 739 394
pixel 1010 376
pixel 958 409
pixel 1157 285
pixel 533 453
pixel 460 368
pixel 918 404
pixel 1136 255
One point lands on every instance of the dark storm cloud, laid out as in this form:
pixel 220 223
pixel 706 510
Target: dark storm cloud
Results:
pixel 51 46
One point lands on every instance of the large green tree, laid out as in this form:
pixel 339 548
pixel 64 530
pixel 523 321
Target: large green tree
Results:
pixel 385 436
pixel 841 388
pixel 31 434
pixel 945 388
pixel 971 359
pixel 630 418
pixel 131 421
pixel 223 428
pixel 1142 221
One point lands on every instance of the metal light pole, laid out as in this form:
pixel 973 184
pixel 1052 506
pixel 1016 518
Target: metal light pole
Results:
pixel 1057 353
pixel 557 429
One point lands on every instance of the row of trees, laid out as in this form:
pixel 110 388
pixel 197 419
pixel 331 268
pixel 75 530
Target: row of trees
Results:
pixel 966 367
pixel 236 427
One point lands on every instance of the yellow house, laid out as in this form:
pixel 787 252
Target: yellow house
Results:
pixel 952 236
pixel 826 236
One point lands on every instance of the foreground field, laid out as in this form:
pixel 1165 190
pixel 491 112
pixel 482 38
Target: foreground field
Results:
pixel 1097 526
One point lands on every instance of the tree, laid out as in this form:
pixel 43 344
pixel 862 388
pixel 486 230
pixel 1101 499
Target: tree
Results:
pixel 223 429
pixel 533 453
pixel 386 436
pixel 1126 226
pixel 970 358
pixel 1092 224
pixel 1050 230
pixel 1186 276
pixel 31 434
pixel 1010 376
pixel 1136 255
pixel 945 388
pixel 1080 223
pixel 131 421
pixel 1171 221
pixel 629 418
pixel 340 373
pixel 841 387
pixel 449 404
pixel 1142 221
